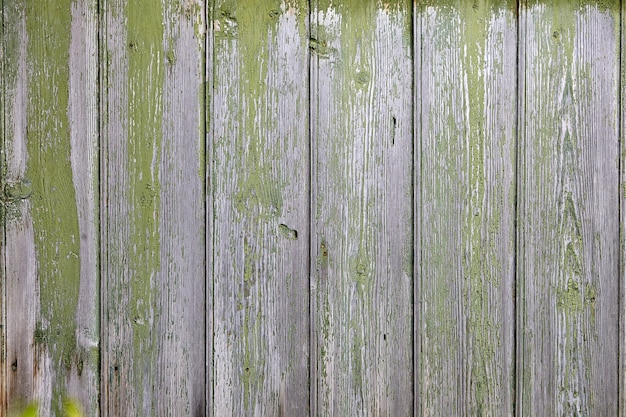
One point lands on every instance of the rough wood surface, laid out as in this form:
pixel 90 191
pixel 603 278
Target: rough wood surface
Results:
pixel 153 287
pixel 466 130
pixel 259 174
pixel 402 209
pixel 568 285
pixel 50 203
pixel 621 398
pixel 362 124
pixel 3 241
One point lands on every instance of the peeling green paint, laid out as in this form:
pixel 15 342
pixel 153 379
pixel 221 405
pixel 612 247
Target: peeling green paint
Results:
pixel 567 249
pixel 360 53
pixel 146 67
pixel 250 180
pixel 288 232
pixel 52 197
pixel 464 226
pixel 481 248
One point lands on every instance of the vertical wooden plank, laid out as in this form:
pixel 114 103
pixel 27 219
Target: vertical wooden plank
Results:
pixel 568 292
pixel 622 204
pixel 153 208
pixel 50 203
pixel 259 183
pixel 362 208
pixel 3 242
pixel 208 198
pixel 467 136
pixel 417 205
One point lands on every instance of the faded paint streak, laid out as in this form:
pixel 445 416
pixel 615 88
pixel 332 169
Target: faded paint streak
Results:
pixel 259 167
pixel 362 197
pixel 568 356
pixel 467 179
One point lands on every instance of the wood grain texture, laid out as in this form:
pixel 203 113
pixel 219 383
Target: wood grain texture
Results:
pixel 417 206
pixel 568 285
pixel 259 173
pixel 362 250
pixel 622 193
pixel 466 130
pixel 3 241
pixel 50 203
pixel 208 206
pixel 153 208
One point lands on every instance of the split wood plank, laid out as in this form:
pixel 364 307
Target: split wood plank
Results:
pixel 466 131
pixel 259 175
pixel 362 250
pixel 153 173
pixel 568 265
pixel 50 203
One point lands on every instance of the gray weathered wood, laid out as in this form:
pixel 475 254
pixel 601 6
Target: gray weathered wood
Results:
pixel 362 250
pixel 259 174
pixel 568 285
pixel 466 130
pixel 153 287
pixel 417 205
pixel 622 193
pixel 3 242
pixel 208 206
pixel 50 203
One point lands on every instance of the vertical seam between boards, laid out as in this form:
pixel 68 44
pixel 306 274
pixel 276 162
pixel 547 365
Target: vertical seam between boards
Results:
pixel 102 250
pixel 99 88
pixel 518 244
pixel 205 136
pixel 310 208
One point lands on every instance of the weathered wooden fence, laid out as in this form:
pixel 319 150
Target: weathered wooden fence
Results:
pixel 326 207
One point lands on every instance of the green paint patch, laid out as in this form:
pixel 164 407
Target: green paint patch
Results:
pixel 18 191
pixel 146 65
pixel 252 374
pixel 52 195
pixel 10 200
pixel 320 47
pixel 246 35
pixel 287 232
pixel 575 297
pixel 360 268
pixel 251 258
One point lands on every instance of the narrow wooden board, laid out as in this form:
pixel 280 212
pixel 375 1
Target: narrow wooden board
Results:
pixel 417 205
pixel 50 203
pixel 3 242
pixel 466 130
pixel 153 284
pixel 622 190
pixel 568 252
pixel 362 250
pixel 259 175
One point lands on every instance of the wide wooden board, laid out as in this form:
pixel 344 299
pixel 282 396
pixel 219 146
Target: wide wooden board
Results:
pixel 466 131
pixel 50 204
pixel 568 209
pixel 153 205
pixel 362 250
pixel 259 204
